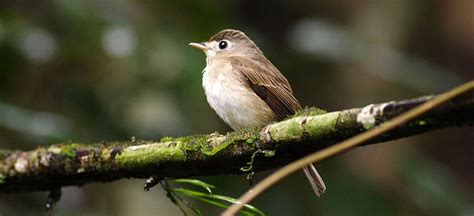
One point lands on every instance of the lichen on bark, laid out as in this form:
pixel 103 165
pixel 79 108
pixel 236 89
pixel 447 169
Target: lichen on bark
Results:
pixel 55 166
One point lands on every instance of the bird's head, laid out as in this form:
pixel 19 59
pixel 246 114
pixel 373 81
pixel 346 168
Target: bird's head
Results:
pixel 227 43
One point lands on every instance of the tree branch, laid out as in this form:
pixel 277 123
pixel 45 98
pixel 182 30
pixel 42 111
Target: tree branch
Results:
pixel 52 167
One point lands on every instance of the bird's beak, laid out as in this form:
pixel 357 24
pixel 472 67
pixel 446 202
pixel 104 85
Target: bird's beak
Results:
pixel 202 46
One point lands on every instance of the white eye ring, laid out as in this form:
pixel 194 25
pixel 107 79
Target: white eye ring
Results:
pixel 223 44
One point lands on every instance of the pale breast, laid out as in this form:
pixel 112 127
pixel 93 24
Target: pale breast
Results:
pixel 232 100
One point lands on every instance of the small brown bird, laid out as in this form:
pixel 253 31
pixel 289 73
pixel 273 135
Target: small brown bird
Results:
pixel 246 89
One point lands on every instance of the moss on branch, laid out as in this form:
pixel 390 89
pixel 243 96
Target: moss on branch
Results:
pixel 55 166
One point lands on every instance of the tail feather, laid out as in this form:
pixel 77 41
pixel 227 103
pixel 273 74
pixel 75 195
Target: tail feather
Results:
pixel 315 179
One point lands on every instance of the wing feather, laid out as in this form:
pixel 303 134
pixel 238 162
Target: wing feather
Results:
pixel 268 83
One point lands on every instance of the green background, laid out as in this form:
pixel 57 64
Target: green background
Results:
pixel 93 70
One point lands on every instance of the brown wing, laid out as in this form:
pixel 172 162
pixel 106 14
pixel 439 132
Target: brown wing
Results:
pixel 268 83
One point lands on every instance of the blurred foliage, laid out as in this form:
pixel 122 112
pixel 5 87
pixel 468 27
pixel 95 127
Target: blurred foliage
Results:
pixel 109 70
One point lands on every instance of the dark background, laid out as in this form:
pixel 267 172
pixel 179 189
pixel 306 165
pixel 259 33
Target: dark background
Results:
pixel 92 70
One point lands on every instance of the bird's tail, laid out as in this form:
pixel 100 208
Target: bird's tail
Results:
pixel 315 179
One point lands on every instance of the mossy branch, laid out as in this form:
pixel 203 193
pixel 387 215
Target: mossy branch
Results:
pixel 52 167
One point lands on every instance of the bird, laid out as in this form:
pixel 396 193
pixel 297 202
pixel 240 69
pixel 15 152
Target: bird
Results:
pixel 245 89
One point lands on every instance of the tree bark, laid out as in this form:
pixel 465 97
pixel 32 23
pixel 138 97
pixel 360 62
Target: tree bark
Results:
pixel 56 166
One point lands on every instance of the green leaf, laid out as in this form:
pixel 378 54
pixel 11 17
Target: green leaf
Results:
pixel 174 198
pixel 196 182
pixel 206 200
pixel 210 198
pixel 189 205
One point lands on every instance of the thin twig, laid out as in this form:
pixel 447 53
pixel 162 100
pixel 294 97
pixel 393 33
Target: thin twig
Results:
pixel 50 167
pixel 344 146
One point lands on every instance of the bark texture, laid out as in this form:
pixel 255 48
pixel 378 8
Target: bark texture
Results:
pixel 55 166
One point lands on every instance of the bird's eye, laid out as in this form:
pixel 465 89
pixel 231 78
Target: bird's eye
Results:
pixel 223 45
